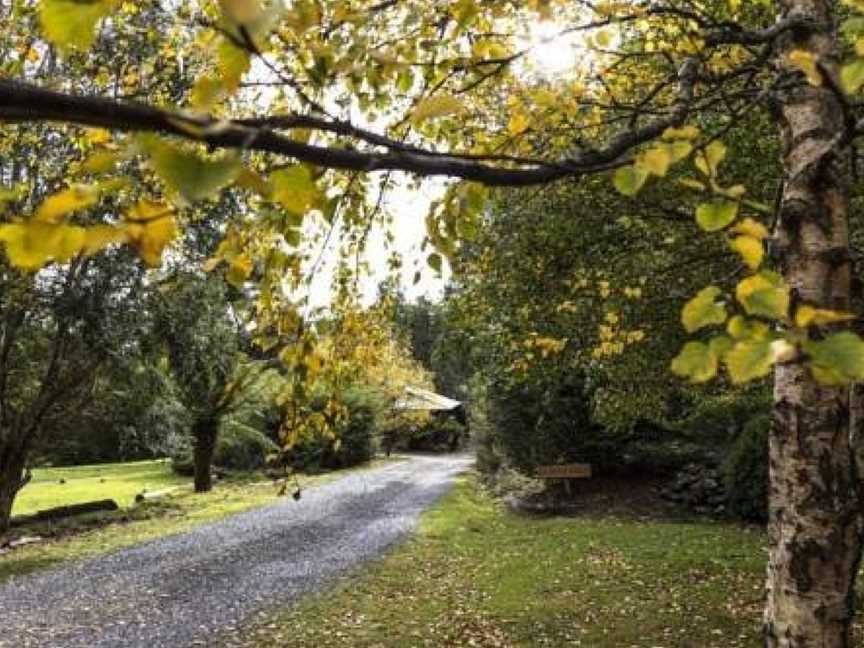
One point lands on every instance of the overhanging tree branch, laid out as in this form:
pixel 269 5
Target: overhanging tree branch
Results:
pixel 20 102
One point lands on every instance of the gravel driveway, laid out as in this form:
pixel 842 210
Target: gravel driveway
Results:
pixel 183 590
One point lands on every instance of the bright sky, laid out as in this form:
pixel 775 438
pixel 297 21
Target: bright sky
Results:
pixel 409 207
pixel 552 55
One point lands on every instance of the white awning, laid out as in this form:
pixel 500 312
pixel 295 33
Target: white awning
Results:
pixel 416 398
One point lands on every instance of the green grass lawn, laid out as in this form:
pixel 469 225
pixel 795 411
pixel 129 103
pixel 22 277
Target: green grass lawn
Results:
pixel 117 481
pixel 475 575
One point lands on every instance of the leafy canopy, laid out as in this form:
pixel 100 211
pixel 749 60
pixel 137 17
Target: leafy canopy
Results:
pixel 336 90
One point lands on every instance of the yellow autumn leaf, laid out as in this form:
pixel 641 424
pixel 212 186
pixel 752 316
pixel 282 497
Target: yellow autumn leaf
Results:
pixel 603 38
pixel 751 250
pixel 656 161
pixel 690 183
pixel 703 310
pixel 150 228
pixel 192 176
pixel 709 159
pixel 98 237
pixel 232 63
pixel 808 63
pixel 101 161
pixel 294 188
pixel 765 294
pixel 240 11
pixel 206 91
pixel 518 123
pixel 750 227
pixel 807 315
pixel 98 135
pixel 436 106
pixel 749 360
pixel 32 245
pixel 740 327
pixel 253 181
pixel 76 197
pixel 683 133
pixel 148 210
pixel 629 180
pixel 239 270
pixel 71 24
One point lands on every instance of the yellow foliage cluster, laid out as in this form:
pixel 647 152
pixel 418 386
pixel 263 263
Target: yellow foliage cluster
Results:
pixel 48 236
pixel 612 338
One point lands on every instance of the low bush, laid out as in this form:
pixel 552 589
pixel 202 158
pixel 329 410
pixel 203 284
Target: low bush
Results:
pixel 541 423
pixel 441 433
pixel 239 447
pixel 353 441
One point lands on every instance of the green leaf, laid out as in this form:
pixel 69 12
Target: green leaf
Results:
pixel 710 158
pixel 696 362
pixel 716 215
pixel 434 260
pixel 294 188
pixel 852 76
pixel 838 359
pixel 193 177
pixel 293 237
pixel 233 63
pixel 702 310
pixel 720 345
pixel 750 359
pixel 655 161
pixel 741 328
pixel 71 24
pixel 629 180
pixel 436 106
pixel 764 294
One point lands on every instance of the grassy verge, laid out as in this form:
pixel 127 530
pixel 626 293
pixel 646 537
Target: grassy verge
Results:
pixel 90 535
pixel 475 575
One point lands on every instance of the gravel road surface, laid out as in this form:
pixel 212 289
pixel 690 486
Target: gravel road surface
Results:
pixel 185 590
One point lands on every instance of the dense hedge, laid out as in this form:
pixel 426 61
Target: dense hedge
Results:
pixel 746 471
pixel 354 441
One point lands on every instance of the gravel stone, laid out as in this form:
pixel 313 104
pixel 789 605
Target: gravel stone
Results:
pixel 184 589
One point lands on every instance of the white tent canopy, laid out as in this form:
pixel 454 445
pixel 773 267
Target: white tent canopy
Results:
pixel 416 398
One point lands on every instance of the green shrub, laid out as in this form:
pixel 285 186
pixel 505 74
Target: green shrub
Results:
pixel 443 432
pixel 544 422
pixel 718 418
pixel 239 447
pixel 354 440
pixel 357 435
pixel 746 471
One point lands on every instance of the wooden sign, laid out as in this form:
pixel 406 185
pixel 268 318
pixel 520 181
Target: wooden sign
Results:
pixel 564 471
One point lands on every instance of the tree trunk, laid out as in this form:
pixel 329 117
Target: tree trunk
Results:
pixel 815 523
pixel 204 431
pixel 11 481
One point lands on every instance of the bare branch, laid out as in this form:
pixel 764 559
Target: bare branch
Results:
pixel 20 102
